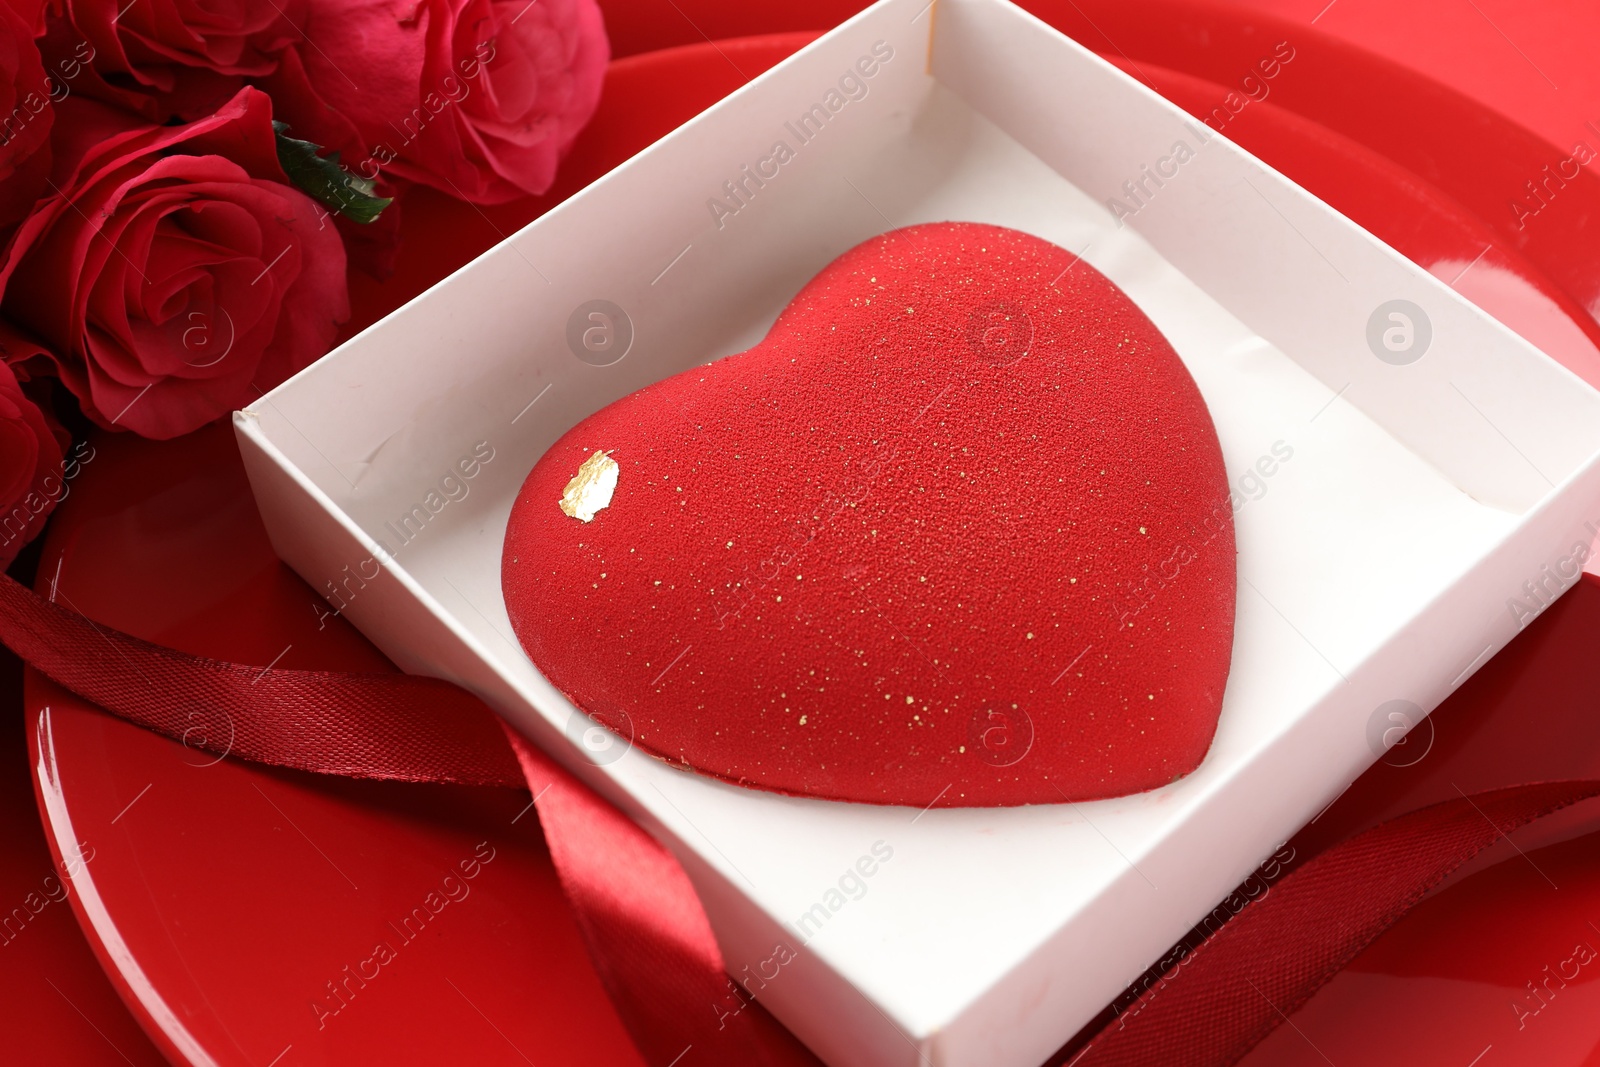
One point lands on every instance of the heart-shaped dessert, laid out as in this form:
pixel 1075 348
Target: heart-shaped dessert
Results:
pixel 956 532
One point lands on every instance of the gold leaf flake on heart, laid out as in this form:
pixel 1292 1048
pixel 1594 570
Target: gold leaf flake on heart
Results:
pixel 591 488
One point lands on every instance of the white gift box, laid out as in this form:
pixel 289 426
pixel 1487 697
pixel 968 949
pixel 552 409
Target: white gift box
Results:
pixel 1412 483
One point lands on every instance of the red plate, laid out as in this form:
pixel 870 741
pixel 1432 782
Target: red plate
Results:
pixel 1449 982
pixel 56 1004
pixel 251 916
pixel 223 899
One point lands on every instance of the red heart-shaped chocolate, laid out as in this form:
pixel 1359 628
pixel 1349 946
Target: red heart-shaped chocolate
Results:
pixel 956 531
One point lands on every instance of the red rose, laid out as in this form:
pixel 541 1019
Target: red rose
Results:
pixel 171 57
pixel 25 117
pixel 477 98
pixel 175 269
pixel 33 477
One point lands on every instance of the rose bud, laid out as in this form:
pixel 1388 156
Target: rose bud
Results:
pixel 167 57
pixel 479 99
pixel 32 473
pixel 175 274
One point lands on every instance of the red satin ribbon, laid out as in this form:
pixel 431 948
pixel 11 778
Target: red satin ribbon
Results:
pixel 397 726
pixel 647 933
pixel 644 926
pixel 640 918
pixel 1243 981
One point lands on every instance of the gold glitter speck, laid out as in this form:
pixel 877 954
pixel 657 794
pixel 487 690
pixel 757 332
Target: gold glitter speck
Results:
pixel 591 488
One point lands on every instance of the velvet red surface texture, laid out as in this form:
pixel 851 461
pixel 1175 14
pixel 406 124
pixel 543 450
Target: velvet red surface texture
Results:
pixel 957 532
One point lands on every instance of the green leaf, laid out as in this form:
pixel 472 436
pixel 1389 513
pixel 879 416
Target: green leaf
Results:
pixel 324 179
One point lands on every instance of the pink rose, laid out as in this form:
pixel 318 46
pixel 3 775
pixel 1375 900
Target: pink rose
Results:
pixel 33 476
pixel 176 272
pixel 477 98
pixel 172 57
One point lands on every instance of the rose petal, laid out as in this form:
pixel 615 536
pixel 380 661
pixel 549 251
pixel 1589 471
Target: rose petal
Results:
pixel 31 443
pixel 175 268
